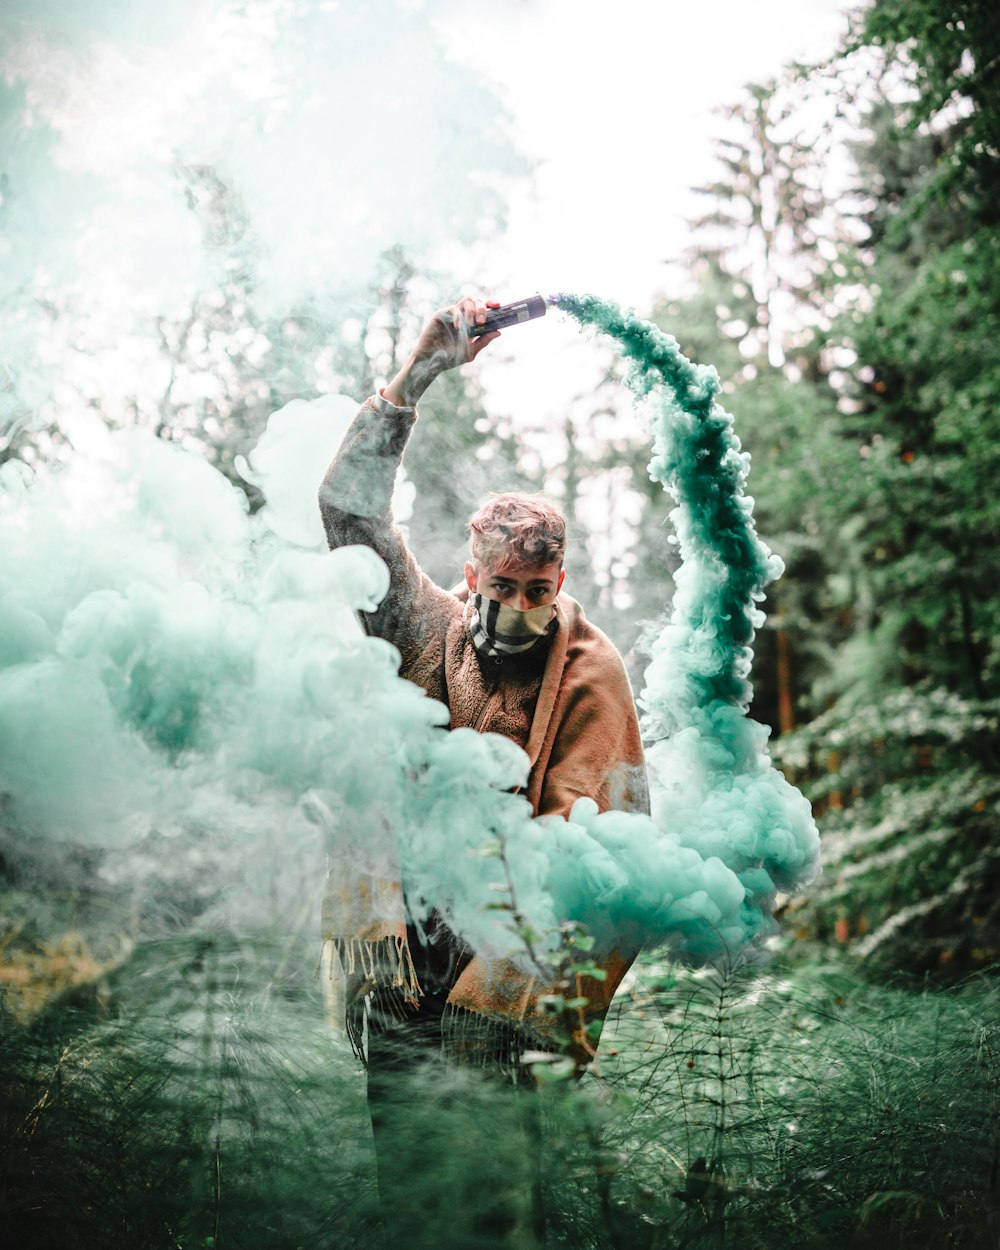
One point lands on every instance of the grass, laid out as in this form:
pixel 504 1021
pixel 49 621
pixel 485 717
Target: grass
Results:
pixel 199 1101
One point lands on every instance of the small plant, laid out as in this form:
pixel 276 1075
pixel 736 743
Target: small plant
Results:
pixel 570 1034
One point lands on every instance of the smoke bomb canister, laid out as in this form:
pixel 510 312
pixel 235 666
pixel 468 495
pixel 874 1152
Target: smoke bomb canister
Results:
pixel 510 315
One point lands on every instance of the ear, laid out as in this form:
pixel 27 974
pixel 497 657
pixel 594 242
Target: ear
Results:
pixel 470 576
pixel 562 578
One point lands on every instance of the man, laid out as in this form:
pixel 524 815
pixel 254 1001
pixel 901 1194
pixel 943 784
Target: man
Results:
pixel 512 655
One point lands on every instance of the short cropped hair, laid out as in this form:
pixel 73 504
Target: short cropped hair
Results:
pixel 527 528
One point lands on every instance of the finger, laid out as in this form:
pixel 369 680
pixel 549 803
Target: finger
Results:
pixel 482 308
pixel 453 317
pixel 479 308
pixel 480 313
pixel 483 340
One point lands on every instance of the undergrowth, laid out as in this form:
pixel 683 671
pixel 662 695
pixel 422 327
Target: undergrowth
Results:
pixel 807 1110
pixel 200 1101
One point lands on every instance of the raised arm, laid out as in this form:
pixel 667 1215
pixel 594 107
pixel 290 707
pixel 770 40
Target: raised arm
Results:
pixel 356 493
pixel 444 343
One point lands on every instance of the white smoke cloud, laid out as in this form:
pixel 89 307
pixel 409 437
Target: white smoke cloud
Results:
pixel 146 155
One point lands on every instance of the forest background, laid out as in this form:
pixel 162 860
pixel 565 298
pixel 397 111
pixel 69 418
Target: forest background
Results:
pixel 856 334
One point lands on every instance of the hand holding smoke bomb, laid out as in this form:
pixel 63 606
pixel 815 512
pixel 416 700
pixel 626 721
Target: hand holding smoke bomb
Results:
pixel 456 335
pixel 500 316
pixel 452 337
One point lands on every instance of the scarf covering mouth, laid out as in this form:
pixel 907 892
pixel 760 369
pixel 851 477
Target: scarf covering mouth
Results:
pixel 498 629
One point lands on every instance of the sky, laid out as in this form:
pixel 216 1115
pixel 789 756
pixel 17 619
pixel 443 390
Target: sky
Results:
pixel 615 106
pixel 521 145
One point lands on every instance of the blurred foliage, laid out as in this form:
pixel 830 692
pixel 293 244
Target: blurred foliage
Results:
pixel 911 742
pixel 198 1100
pixel 911 795
pixel 955 47
pixel 769 223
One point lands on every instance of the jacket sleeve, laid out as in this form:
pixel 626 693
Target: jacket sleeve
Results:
pixel 355 500
pixel 597 750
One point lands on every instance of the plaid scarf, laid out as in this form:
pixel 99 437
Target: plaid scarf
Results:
pixel 499 630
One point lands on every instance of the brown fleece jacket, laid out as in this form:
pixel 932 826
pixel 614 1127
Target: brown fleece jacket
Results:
pixel 570 708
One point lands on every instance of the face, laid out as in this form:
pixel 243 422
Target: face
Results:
pixel 520 586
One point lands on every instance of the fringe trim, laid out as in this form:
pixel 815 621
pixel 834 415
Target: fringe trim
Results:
pixel 389 985
pixel 386 962
pixel 390 993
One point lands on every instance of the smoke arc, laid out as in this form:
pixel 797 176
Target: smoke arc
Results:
pixel 711 776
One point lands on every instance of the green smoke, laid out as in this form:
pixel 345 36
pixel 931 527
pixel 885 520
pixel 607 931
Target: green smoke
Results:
pixel 712 780
pixel 185 688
